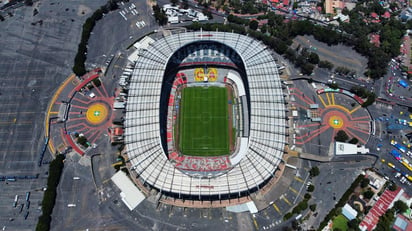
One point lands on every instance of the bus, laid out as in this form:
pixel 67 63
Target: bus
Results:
pixel 406 163
pixel 400 147
pixel 396 154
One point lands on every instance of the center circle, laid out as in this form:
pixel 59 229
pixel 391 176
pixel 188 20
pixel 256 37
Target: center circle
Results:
pixel 335 121
pixel 96 113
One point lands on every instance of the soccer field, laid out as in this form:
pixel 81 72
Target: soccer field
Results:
pixel 203 121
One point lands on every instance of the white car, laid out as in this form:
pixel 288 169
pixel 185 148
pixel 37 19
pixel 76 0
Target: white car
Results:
pixel 92 95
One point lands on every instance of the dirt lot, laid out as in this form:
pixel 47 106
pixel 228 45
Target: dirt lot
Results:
pixel 339 55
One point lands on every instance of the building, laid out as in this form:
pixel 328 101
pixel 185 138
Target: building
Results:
pixel 384 202
pixel 402 224
pixel 332 6
pixel 349 212
pixel 213 182
pixel 335 6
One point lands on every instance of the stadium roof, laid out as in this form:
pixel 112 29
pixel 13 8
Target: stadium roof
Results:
pixel 267 136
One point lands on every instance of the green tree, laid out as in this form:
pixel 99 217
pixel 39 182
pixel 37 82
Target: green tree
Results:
pixel 353 224
pixel 159 15
pixel 311 188
pixel 174 2
pixel 385 221
pixel 368 194
pixel 253 24
pixel 307 196
pixel 400 206
pixel 28 2
pixel 287 216
pixel 333 85
pixel 341 136
pixel 185 4
pixel 354 140
pixel 364 182
pixel 393 187
pixel 312 207
pixel 307 68
pixel 313 58
pixel 49 198
pixel 314 171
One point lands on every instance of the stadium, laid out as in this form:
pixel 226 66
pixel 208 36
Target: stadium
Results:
pixel 205 119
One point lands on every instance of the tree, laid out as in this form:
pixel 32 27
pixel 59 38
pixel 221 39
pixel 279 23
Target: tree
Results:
pixel 159 15
pixel 313 58
pixel 353 224
pixel 287 216
pixel 185 4
pixel 312 207
pixel 253 24
pixel 311 188
pixel 364 182
pixel 333 85
pixel 385 221
pixel 295 225
pixel 307 68
pixel 325 64
pixel 174 2
pixel 400 206
pixel 341 136
pixel 393 187
pixel 368 194
pixel 354 140
pixel 28 2
pixel 307 196
pixel 345 11
pixel 49 198
pixel 314 171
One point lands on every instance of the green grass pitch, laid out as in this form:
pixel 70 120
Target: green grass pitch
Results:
pixel 203 121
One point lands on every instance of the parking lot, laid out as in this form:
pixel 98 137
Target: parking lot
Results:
pixel 37 53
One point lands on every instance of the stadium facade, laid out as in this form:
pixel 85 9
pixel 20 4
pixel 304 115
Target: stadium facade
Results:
pixel 263 130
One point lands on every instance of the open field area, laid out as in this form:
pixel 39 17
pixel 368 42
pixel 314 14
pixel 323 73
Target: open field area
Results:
pixel 203 122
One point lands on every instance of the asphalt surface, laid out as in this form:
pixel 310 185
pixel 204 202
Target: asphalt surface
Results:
pixel 34 59
pixel 97 199
pixel 330 185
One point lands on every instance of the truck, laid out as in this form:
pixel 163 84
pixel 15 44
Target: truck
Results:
pixel 27 196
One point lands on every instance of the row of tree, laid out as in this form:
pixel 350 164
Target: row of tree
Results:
pixel 49 198
pixel 79 67
pixel 303 205
pixel 354 34
pixel 345 197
